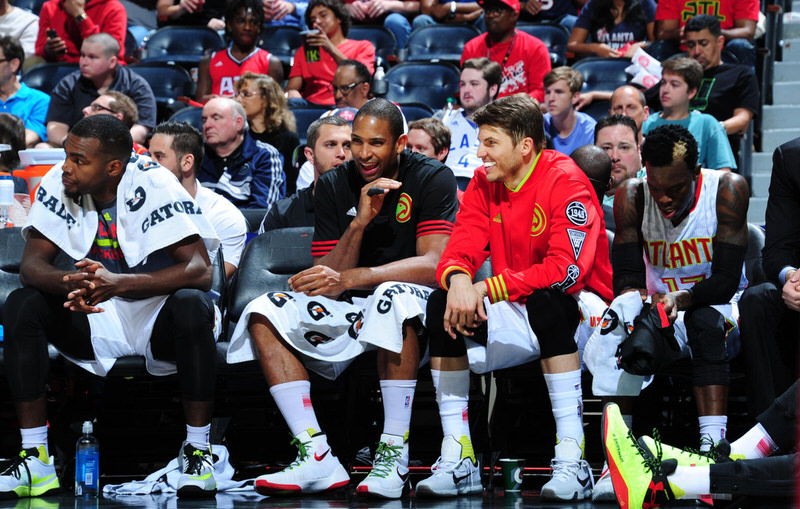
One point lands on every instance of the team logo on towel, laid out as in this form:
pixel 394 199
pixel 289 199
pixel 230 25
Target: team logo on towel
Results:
pixel 355 320
pixel 137 201
pixel 609 322
pixel 279 298
pixel 403 212
pixel 316 338
pixel 539 221
pixel 147 164
pixel 317 310
pixel 576 213
pixel 573 272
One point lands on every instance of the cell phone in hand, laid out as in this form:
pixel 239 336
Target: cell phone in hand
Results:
pixel 51 33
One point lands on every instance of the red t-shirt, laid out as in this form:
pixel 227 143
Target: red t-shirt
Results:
pixel 225 69
pixel 318 76
pixel 727 11
pixel 524 69
pixel 107 16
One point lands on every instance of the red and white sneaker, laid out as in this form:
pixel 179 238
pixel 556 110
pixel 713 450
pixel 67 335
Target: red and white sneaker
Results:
pixel 389 474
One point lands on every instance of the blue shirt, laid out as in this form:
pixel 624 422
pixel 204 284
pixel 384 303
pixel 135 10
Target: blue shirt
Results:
pixel 712 142
pixel 582 134
pixel 31 106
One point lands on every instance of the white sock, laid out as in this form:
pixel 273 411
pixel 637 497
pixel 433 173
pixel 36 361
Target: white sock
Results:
pixel 294 401
pixel 712 427
pixel 34 437
pixel 566 399
pixel 756 443
pixel 398 398
pixel 452 395
pixel 198 436
pixel 690 482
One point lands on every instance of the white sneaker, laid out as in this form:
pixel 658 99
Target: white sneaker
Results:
pixel 453 474
pixel 603 490
pixel 197 473
pixel 389 473
pixel 572 477
pixel 31 474
pixel 314 470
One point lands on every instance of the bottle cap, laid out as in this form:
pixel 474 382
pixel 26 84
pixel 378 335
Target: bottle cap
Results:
pixel 87 427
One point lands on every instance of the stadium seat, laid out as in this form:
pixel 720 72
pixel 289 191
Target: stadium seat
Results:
pixel 34 6
pixel 168 82
pixel 131 48
pixel 439 42
pixel 253 217
pixel 45 77
pixel 380 37
pixel 752 258
pixel 282 42
pixel 12 246
pixel 192 115
pixel 416 111
pixel 304 117
pixel 181 45
pixel 598 109
pixel 555 37
pixel 602 73
pixel 427 83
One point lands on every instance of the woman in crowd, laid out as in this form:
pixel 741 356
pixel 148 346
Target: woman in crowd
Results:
pixel 270 119
pixel 613 28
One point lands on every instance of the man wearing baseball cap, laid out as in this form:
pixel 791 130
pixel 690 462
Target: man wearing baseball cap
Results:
pixel 524 58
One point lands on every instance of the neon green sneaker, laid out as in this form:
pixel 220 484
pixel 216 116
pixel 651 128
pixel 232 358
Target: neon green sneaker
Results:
pixel 389 475
pixel 32 474
pixel 197 473
pixel 684 457
pixel 638 475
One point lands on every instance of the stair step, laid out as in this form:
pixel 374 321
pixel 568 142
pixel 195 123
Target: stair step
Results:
pixel 786 92
pixel 762 163
pixel 773 138
pixel 760 185
pixel 791 25
pixel 786 71
pixel 791 50
pixel 783 116
pixel 757 210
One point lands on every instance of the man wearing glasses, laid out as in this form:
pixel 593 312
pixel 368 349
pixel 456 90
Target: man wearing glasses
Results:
pixel 117 105
pixel 351 84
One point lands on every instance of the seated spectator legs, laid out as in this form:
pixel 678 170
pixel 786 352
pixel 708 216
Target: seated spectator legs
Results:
pixel 743 50
pixel 399 26
pixel 663 49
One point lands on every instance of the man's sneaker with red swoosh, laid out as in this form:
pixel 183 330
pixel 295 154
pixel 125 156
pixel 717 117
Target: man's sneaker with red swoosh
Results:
pixel 314 470
pixel 31 474
pixel 456 472
pixel 389 475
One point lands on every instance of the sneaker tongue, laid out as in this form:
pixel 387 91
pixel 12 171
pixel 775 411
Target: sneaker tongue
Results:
pixel 568 449
pixel 451 449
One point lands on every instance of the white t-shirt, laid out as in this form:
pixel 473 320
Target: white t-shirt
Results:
pixel 23 25
pixel 463 156
pixel 227 221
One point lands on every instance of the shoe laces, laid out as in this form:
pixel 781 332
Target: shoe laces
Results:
pixel 714 453
pixel 385 457
pixel 15 468
pixel 302 452
pixel 655 464
pixel 195 462
pixel 564 469
pixel 443 465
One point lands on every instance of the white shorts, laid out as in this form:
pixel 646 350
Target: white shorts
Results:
pixel 328 334
pixel 510 340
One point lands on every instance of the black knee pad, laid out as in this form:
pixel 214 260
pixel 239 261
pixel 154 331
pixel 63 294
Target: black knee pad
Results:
pixel 439 341
pixel 705 332
pixel 554 317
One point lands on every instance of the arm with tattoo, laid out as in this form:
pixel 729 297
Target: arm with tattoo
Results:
pixel 627 250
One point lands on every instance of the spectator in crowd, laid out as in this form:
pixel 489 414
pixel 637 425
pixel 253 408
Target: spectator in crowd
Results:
pixel 271 122
pixel 119 105
pixel 738 20
pixel 305 175
pixel 396 233
pixel 12 133
pixel 20 25
pixel 392 14
pixel 328 146
pixel 310 81
pixel 619 137
pixel 351 84
pixel 100 71
pixel 219 72
pixel 18 98
pixel 613 28
pixel 429 137
pixel 178 147
pixel 681 78
pixel 71 22
pixel 478 85
pixel 167 290
pixel 679 209
pixel 454 11
pixel 561 12
pixel 629 101
pixel 192 13
pixel 596 164
pixel 247 174
pixel 284 12
pixel 543 286
pixel 568 127
pixel 769 311
pixel 523 58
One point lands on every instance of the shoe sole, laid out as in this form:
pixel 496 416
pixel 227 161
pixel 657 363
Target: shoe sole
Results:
pixel 620 486
pixel 551 496
pixel 196 492
pixel 425 492
pixel 264 487
pixel 28 492
pixel 391 494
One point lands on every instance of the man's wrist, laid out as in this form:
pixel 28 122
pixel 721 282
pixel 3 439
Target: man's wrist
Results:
pixel 81 17
pixel 782 275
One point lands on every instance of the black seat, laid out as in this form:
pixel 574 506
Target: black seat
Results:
pixel 598 109
pixel 253 217
pixel 34 6
pixel 266 265
pixel 384 41
pixel 282 42
pixel 168 82
pixel 604 74
pixel 45 77
pixel 752 258
pixel 181 45
pixel 193 115
pixel 433 43
pixel 131 48
pixel 12 246
pixel 416 111
pixel 425 83
pixel 304 117
pixel 555 37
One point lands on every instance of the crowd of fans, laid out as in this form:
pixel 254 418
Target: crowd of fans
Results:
pixel 404 215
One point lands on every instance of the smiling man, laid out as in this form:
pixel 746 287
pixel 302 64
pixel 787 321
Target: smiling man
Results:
pixel 382 221
pixel 548 286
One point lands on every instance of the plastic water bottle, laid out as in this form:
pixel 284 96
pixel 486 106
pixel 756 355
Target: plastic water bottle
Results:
pixel 6 200
pixel 448 108
pixel 87 463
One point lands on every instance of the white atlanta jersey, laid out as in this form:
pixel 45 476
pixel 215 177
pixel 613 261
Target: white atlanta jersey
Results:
pixel 678 257
pixel 463 156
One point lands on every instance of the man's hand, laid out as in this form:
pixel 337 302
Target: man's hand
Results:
pixel 673 302
pixel 318 280
pixel 358 10
pixel 320 39
pixel 369 206
pixel 55 47
pixel 375 8
pixel 91 284
pixel 191 6
pixel 74 7
pixel 633 47
pixel 604 50
pixel 533 7
pixel 216 24
pixel 464 310
pixel 791 290
pixel 281 9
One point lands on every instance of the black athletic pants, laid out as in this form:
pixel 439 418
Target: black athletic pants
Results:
pixel 182 333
